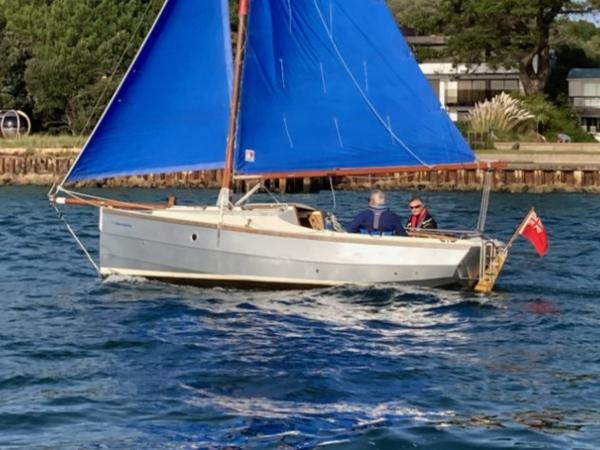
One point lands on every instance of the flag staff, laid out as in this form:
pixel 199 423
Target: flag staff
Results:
pixel 519 230
pixel 490 271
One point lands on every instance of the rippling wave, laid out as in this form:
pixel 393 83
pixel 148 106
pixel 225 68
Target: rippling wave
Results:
pixel 127 363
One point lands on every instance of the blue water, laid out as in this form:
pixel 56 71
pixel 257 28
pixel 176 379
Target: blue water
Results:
pixel 130 364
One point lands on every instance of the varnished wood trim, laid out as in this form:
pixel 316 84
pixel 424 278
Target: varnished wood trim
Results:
pixel 72 201
pixel 373 170
pixel 394 241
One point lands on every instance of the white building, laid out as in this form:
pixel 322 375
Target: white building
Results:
pixel 584 94
pixel 460 87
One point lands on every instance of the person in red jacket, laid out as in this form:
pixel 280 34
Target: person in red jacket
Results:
pixel 420 219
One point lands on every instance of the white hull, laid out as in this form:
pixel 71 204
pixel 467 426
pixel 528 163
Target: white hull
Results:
pixel 266 246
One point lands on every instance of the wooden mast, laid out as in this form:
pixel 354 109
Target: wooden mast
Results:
pixel 235 99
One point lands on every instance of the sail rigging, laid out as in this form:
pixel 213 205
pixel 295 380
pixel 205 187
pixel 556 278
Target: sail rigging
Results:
pixel 332 84
pixel 171 111
pixel 327 85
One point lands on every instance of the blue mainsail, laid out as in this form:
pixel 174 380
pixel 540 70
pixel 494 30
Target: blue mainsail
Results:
pixel 172 110
pixel 332 84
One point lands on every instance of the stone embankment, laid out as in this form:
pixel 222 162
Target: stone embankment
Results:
pixel 45 167
pixel 531 167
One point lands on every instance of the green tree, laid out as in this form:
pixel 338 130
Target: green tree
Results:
pixel 58 56
pixel 510 33
pixel 575 44
pixel 234 7
pixel 15 53
pixel 75 45
pixel 552 119
pixel 423 16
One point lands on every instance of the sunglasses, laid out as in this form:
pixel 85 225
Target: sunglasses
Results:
pixel 415 206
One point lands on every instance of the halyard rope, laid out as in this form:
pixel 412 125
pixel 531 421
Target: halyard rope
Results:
pixel 333 199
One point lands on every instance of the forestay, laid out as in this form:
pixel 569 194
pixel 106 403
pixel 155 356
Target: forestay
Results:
pixel 332 84
pixel 172 109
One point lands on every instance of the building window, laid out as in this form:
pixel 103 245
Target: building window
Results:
pixel 591 89
pixel 470 92
pixel 591 124
pixel 435 85
pixel 499 86
pixel 586 102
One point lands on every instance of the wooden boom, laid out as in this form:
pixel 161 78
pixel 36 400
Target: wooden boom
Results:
pixel 106 203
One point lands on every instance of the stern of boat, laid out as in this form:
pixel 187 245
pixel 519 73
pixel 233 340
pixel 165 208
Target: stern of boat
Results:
pixel 480 268
pixel 492 257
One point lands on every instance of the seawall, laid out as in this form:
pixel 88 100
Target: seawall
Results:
pixel 546 170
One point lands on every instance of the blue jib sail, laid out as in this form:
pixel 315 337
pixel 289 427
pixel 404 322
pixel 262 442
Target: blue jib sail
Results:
pixel 171 113
pixel 332 84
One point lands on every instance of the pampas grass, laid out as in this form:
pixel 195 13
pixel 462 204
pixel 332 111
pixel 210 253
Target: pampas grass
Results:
pixel 501 114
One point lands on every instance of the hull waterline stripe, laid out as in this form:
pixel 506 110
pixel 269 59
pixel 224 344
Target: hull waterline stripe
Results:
pixel 108 271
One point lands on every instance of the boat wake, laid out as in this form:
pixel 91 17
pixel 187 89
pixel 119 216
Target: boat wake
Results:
pixel 124 279
pixel 266 408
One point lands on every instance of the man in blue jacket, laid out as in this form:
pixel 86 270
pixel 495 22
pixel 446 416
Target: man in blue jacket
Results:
pixel 378 219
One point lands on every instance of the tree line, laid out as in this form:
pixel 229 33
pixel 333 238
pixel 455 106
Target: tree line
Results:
pixel 57 56
pixel 524 34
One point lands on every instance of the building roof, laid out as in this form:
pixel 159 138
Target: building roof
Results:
pixel 451 69
pixel 433 40
pixel 583 73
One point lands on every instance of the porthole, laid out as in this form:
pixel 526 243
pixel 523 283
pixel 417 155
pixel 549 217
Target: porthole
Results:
pixel 194 237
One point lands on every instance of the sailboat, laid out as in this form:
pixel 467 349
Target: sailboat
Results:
pixel 317 88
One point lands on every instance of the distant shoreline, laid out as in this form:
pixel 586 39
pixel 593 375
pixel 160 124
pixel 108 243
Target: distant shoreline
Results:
pixel 532 168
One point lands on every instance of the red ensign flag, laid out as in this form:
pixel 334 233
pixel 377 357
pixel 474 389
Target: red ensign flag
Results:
pixel 534 230
pixel 244 6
